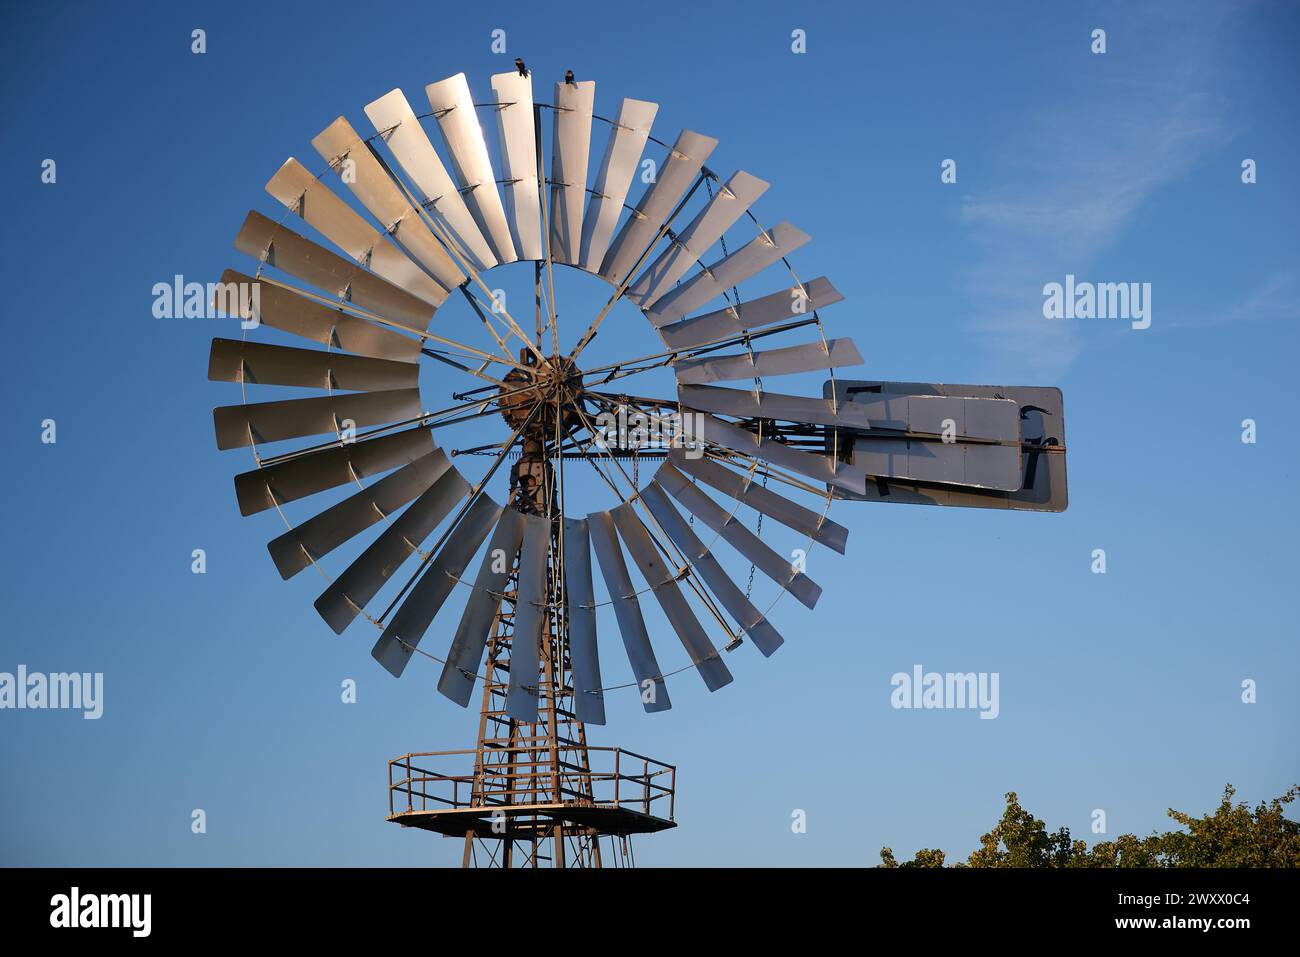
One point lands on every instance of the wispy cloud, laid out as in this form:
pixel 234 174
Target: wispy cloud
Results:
pixel 1277 299
pixel 1076 174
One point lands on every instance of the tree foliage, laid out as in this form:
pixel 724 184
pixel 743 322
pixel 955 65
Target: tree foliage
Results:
pixel 1233 835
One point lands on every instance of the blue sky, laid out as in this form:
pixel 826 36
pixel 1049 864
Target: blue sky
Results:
pixel 1119 691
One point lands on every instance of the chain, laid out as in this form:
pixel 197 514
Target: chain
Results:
pixel 758 533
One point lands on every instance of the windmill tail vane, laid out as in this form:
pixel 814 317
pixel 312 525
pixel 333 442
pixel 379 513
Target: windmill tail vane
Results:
pixel 375 270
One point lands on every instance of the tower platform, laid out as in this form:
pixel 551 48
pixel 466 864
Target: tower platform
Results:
pixel 612 792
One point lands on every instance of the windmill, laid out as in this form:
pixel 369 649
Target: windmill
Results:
pixel 417 231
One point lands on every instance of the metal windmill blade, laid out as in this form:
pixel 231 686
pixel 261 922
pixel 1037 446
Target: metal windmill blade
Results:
pixel 663 584
pixel 239 360
pixel 516 126
pixel 531 610
pixel 454 109
pixel 404 632
pixel 746 542
pixel 588 695
pixel 572 144
pixel 309 198
pixel 771 362
pixel 242 425
pixel 280 307
pixel 733 320
pixel 755 624
pixel 466 653
pixel 274 244
pixel 287 480
pixel 727 273
pixel 641 231
pixel 398 126
pixel 487 576
pixel 348 594
pixel 623 596
pixel 627 139
pixel 310 541
pixel 745 490
pixel 360 170
pixel 728 205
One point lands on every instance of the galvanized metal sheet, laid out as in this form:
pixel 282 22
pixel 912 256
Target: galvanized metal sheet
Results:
pixel 672 179
pixel 281 308
pixel 774 566
pixel 343 600
pixel 981 466
pixel 833 354
pixel 1042 455
pixel 971 441
pixel 513 95
pixel 989 419
pixel 627 139
pixel 239 360
pixel 880 411
pixel 662 582
pixel 747 404
pixel 314 472
pixel 532 613
pixel 727 273
pixel 744 489
pixel 727 205
pixel 454 108
pixel 627 609
pixel 466 652
pixel 297 548
pixel 571 142
pixel 399 127
pixel 306 196
pixel 765 637
pixel 281 247
pixel 588 698
pixel 238 426
pixel 821 468
pixel 409 623
pixel 360 170
pixel 958 418
pixel 788 305
pixel 980 418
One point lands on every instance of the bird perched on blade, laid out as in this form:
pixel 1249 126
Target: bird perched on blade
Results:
pixel 568 78
pixel 519 65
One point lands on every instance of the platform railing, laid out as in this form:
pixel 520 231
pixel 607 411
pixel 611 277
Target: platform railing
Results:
pixel 614 778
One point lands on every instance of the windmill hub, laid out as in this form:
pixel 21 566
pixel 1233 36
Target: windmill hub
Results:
pixel 554 382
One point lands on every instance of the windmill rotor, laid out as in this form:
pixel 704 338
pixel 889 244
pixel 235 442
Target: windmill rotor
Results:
pixel 491 577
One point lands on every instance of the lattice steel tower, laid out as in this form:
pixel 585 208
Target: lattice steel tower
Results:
pixel 533 797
